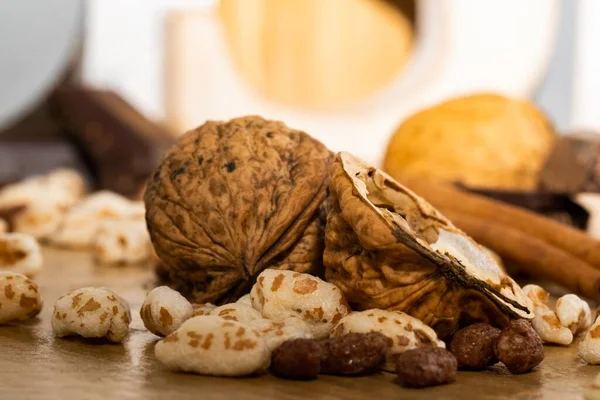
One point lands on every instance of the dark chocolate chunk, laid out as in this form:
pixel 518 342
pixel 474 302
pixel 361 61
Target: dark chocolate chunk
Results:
pixel 573 165
pixel 35 145
pixel 558 206
pixel 124 147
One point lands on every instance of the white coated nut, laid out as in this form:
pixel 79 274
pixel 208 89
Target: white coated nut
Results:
pixel 83 221
pixel 20 194
pixel 245 299
pixel 20 253
pixel 92 312
pixel 68 181
pixel 545 322
pixel 589 347
pixel 19 297
pixel 279 295
pixel 574 313
pixel 236 312
pixel 275 333
pixel 62 187
pixel 537 294
pixel 210 345
pixel 203 309
pixel 3 226
pixel 122 242
pixel 403 331
pixel 548 327
pixel 41 201
pixel 40 218
pixel 164 310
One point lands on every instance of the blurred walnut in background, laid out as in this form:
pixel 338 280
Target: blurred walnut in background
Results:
pixel 482 140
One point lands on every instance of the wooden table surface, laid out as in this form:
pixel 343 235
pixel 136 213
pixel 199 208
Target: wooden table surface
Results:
pixel 35 365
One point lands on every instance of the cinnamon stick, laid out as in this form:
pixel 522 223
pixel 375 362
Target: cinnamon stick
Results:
pixel 448 199
pixel 533 255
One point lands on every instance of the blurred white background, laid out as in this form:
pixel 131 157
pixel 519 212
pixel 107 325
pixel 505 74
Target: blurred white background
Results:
pixel 541 49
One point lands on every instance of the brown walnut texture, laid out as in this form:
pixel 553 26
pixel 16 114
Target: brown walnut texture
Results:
pixel 233 198
pixel 387 248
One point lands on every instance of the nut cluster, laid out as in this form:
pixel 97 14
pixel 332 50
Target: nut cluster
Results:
pixel 300 319
pixel 55 208
pixel 347 355
pixel 237 213
pixel 518 347
pixel 37 205
pixel 572 316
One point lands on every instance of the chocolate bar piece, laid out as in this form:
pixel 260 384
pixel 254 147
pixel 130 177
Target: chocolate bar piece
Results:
pixel 574 165
pixel 35 145
pixel 122 145
pixel 21 159
pixel 552 205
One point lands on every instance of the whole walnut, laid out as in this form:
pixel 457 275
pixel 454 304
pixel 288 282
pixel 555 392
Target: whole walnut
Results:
pixel 482 140
pixel 233 198
pixel 387 248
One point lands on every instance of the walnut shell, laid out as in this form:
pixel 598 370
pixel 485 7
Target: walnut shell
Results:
pixel 387 248
pixel 233 198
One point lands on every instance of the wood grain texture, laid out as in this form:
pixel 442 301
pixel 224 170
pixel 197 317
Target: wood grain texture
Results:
pixel 35 365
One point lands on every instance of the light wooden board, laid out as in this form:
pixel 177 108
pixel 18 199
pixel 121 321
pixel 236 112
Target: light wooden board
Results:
pixel 35 365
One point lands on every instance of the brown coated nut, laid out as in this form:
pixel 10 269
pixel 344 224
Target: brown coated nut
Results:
pixel 297 359
pixel 426 366
pixel 354 353
pixel 473 346
pixel 519 347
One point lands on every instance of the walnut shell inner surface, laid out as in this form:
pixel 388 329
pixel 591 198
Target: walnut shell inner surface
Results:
pixel 388 248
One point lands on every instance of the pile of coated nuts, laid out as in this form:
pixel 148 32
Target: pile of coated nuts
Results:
pixel 298 327
pixel 56 209
pixel 293 324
